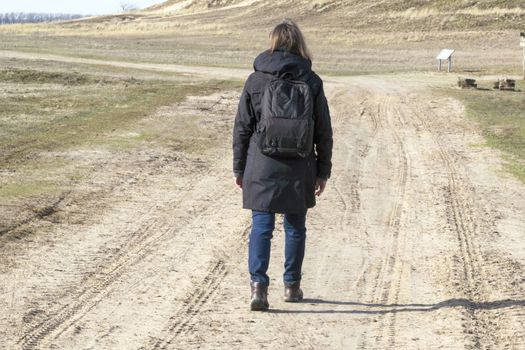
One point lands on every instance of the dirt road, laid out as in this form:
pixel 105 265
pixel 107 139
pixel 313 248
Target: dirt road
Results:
pixel 416 244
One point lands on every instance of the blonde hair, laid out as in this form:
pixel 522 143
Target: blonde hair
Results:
pixel 288 37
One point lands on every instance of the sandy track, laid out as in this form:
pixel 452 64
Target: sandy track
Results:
pixel 202 72
pixel 417 243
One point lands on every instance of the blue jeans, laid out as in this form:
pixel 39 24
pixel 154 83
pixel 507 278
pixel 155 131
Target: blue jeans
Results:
pixel 260 245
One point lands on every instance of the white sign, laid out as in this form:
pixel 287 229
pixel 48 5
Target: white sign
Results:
pixel 445 54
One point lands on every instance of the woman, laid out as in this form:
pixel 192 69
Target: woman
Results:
pixel 277 182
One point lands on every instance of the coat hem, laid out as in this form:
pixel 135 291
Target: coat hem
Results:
pixel 292 211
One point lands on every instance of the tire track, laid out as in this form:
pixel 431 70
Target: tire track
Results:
pixel 352 200
pixel 98 285
pixel 355 181
pixel 184 320
pixel 391 234
pixel 390 274
pixel 387 273
pixel 378 270
pixel 38 214
pixel 346 180
pixel 65 308
pixel 465 224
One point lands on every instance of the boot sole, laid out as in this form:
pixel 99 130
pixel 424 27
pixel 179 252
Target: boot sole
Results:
pixel 292 300
pixel 258 305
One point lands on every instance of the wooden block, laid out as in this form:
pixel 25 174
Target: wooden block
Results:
pixel 507 84
pixel 467 83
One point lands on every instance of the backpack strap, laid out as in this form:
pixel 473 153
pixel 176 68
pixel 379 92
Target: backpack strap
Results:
pixel 269 75
pixel 286 76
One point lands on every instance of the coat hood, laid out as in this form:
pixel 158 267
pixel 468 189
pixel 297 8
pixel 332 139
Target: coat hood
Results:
pixel 280 62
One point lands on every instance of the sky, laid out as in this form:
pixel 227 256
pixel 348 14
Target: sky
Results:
pixel 92 7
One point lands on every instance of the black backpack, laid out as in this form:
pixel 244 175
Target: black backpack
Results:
pixel 286 125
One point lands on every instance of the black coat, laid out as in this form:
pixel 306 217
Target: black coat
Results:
pixel 272 184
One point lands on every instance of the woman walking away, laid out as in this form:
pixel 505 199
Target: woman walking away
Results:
pixel 282 149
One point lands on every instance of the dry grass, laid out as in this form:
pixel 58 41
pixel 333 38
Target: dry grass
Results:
pixel 500 115
pixel 61 123
pixel 358 37
pixel 45 112
pixel 350 52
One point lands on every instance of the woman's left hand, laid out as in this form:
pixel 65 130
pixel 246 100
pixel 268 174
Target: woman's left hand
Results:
pixel 238 181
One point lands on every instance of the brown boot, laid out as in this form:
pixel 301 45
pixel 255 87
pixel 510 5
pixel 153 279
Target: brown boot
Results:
pixel 259 297
pixel 292 292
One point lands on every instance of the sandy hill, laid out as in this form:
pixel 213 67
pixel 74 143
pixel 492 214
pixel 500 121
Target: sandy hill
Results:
pixel 376 15
pixel 328 16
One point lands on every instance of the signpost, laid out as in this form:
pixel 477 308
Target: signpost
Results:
pixel 522 43
pixel 445 54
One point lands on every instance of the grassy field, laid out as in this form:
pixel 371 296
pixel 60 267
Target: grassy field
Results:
pixel 359 37
pixel 502 119
pixel 45 111
pixel 352 53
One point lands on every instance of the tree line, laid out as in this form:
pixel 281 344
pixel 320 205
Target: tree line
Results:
pixel 30 17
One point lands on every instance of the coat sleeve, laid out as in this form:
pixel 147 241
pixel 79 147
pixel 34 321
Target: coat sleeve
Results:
pixel 323 135
pixel 242 131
